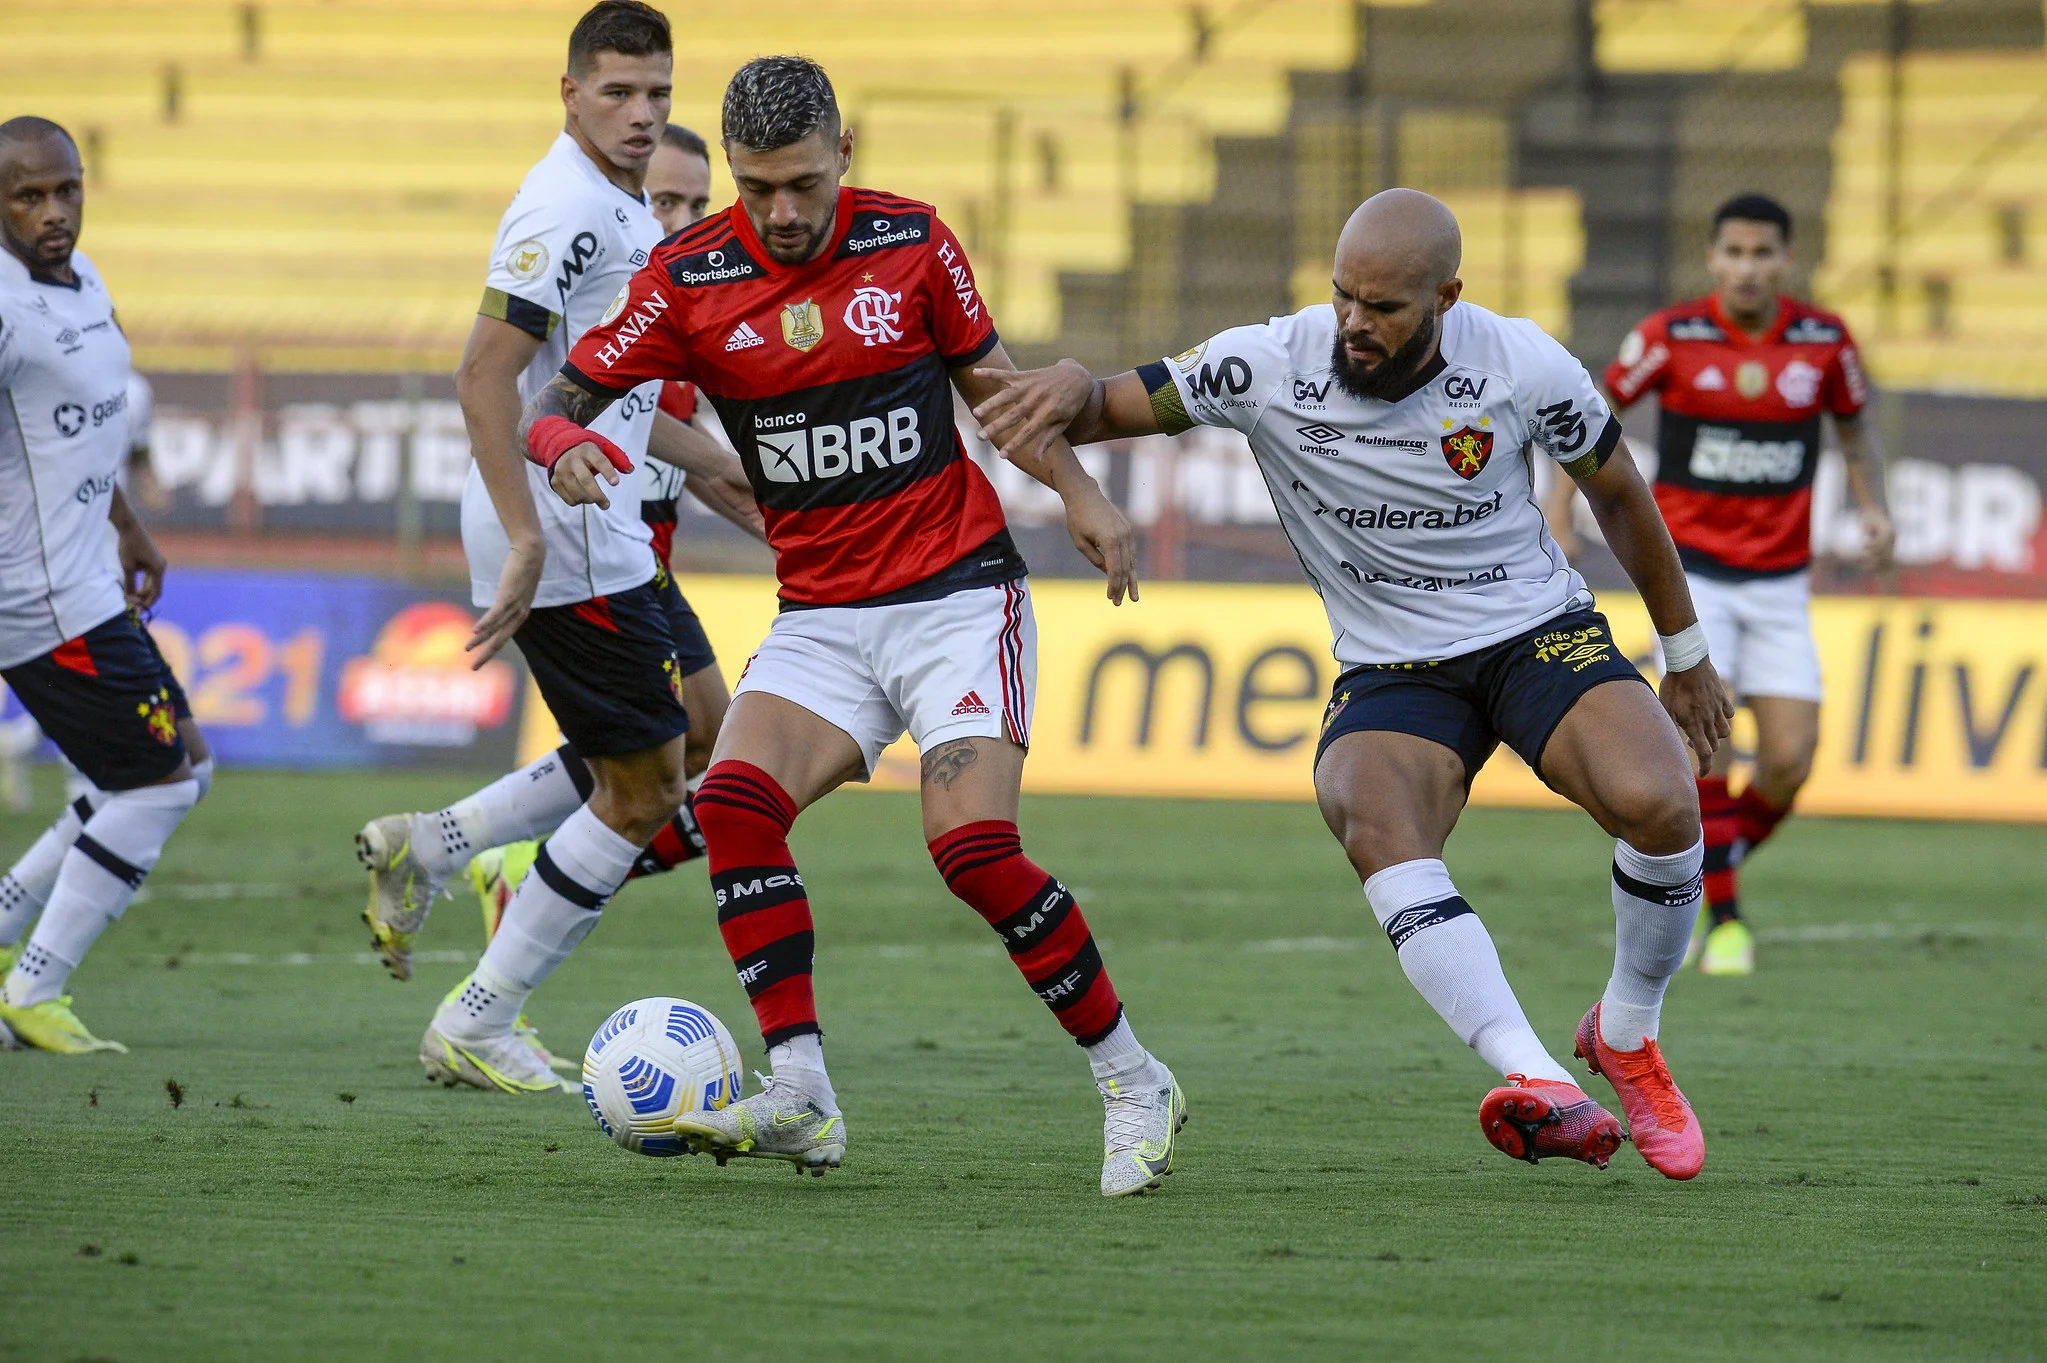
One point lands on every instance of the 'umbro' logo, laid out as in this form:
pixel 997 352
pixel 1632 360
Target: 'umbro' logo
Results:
pixel 744 337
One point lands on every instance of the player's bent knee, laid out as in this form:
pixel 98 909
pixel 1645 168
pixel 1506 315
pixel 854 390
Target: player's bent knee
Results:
pixel 1658 817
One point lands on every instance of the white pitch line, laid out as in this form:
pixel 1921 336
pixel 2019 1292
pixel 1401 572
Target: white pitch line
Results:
pixel 226 889
pixel 1288 946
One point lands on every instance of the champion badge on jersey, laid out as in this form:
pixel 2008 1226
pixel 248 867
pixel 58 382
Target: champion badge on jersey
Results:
pixel 1752 379
pixel 527 260
pixel 802 324
pixel 1467 450
pixel 617 306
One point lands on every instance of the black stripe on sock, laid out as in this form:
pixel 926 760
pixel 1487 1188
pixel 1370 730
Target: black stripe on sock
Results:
pixel 118 867
pixel 971 856
pixel 1038 919
pixel 1097 1038
pixel 782 1034
pixel 741 890
pixel 82 807
pixel 1066 986
pixel 578 771
pixel 777 961
pixel 1670 896
pixel 1408 922
pixel 739 797
pixel 556 879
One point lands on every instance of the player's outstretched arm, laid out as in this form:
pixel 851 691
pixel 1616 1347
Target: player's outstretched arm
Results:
pixel 1100 531
pixel 553 432
pixel 711 473
pixel 1028 409
pixel 487 385
pixel 1634 529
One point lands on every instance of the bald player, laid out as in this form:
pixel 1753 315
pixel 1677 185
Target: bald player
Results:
pixel 1395 427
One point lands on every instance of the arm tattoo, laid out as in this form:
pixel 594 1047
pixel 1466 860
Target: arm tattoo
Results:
pixel 562 398
pixel 945 763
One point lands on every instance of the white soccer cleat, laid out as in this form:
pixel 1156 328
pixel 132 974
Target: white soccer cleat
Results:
pixel 401 891
pixel 505 1063
pixel 1140 1127
pixel 777 1123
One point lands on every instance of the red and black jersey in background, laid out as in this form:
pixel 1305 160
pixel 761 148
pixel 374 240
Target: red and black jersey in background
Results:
pixel 1739 435
pixel 678 400
pixel 831 381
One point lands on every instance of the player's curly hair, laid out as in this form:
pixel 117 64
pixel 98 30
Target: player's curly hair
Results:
pixel 775 101
pixel 626 27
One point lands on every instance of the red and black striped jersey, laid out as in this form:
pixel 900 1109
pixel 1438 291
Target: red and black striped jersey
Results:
pixel 663 484
pixel 1738 437
pixel 831 380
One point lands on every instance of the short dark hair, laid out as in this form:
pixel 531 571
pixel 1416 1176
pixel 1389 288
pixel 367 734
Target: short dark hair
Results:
pixel 1753 208
pixel 776 101
pixel 685 140
pixel 626 27
pixel 29 128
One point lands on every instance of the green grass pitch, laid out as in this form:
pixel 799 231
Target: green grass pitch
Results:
pixel 1875 1186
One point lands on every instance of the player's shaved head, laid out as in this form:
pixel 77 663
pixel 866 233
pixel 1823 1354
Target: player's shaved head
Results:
pixel 42 193
pixel 1396 273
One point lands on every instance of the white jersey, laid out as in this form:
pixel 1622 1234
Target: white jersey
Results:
pixel 64 369
pixel 565 249
pixel 1416 520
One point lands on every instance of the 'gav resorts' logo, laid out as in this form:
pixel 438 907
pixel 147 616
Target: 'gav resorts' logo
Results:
pixel 415 687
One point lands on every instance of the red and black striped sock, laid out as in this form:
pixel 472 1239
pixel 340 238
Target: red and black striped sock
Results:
pixel 1717 813
pixel 763 913
pixel 1038 921
pixel 1755 818
pixel 680 839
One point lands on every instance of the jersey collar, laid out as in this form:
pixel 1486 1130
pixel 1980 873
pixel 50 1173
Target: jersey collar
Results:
pixel 1423 377
pixel 1739 334
pixel 595 171
pixel 842 220
pixel 35 276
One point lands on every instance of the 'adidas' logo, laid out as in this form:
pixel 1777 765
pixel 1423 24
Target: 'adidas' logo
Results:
pixel 971 704
pixel 744 337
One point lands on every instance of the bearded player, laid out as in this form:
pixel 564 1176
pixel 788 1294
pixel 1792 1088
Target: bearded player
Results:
pixel 1395 430
pixel 72 642
pixel 1742 377
pixel 829 326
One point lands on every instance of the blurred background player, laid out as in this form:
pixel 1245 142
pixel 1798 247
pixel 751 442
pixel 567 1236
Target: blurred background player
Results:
pixel 577 587
pixel 72 642
pixel 1742 377
pixel 678 189
pixel 830 326
pixel 1459 624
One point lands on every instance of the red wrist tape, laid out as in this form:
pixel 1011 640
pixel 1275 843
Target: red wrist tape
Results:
pixel 551 437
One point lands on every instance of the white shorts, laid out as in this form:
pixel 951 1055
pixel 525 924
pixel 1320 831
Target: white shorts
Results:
pixel 1760 634
pixel 962 666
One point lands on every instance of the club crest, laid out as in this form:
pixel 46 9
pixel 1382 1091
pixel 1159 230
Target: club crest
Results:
pixel 1466 451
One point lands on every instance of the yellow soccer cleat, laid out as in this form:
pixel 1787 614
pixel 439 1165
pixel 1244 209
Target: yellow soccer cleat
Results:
pixel 495 875
pixel 52 1026
pixel 503 1063
pixel 1730 950
pixel 401 890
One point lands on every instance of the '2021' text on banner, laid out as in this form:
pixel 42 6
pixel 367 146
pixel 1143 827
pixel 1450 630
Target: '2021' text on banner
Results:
pixel 1935 708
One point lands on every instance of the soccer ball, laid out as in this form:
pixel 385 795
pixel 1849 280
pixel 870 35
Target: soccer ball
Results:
pixel 650 1062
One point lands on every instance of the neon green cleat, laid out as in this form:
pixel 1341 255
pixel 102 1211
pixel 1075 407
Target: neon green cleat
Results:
pixel 1730 950
pixel 401 891
pixel 504 1063
pixel 52 1026
pixel 1140 1128
pixel 526 1032
pixel 779 1122
pixel 495 875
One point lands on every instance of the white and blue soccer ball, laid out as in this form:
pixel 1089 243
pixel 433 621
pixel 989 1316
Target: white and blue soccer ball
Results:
pixel 652 1061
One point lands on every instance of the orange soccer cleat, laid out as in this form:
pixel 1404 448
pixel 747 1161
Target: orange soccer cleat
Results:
pixel 1538 1119
pixel 1660 1121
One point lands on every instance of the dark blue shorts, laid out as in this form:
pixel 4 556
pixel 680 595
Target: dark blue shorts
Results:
pixel 692 646
pixel 109 702
pixel 608 669
pixel 1518 690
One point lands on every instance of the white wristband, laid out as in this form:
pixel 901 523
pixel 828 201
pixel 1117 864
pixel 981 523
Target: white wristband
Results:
pixel 1685 649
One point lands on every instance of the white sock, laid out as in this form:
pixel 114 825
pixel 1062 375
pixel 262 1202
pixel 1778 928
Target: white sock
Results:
pixel 1655 903
pixel 529 803
pixel 556 905
pixel 800 1061
pixel 1449 956
pixel 102 870
pixel 202 772
pixel 26 888
pixel 1118 1056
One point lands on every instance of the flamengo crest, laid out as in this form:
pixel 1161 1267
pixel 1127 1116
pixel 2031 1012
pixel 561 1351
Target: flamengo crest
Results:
pixel 1467 450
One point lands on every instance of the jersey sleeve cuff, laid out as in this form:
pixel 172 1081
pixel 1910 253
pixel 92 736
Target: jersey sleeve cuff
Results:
pixel 974 356
pixel 522 313
pixel 593 386
pixel 1594 459
pixel 1167 407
